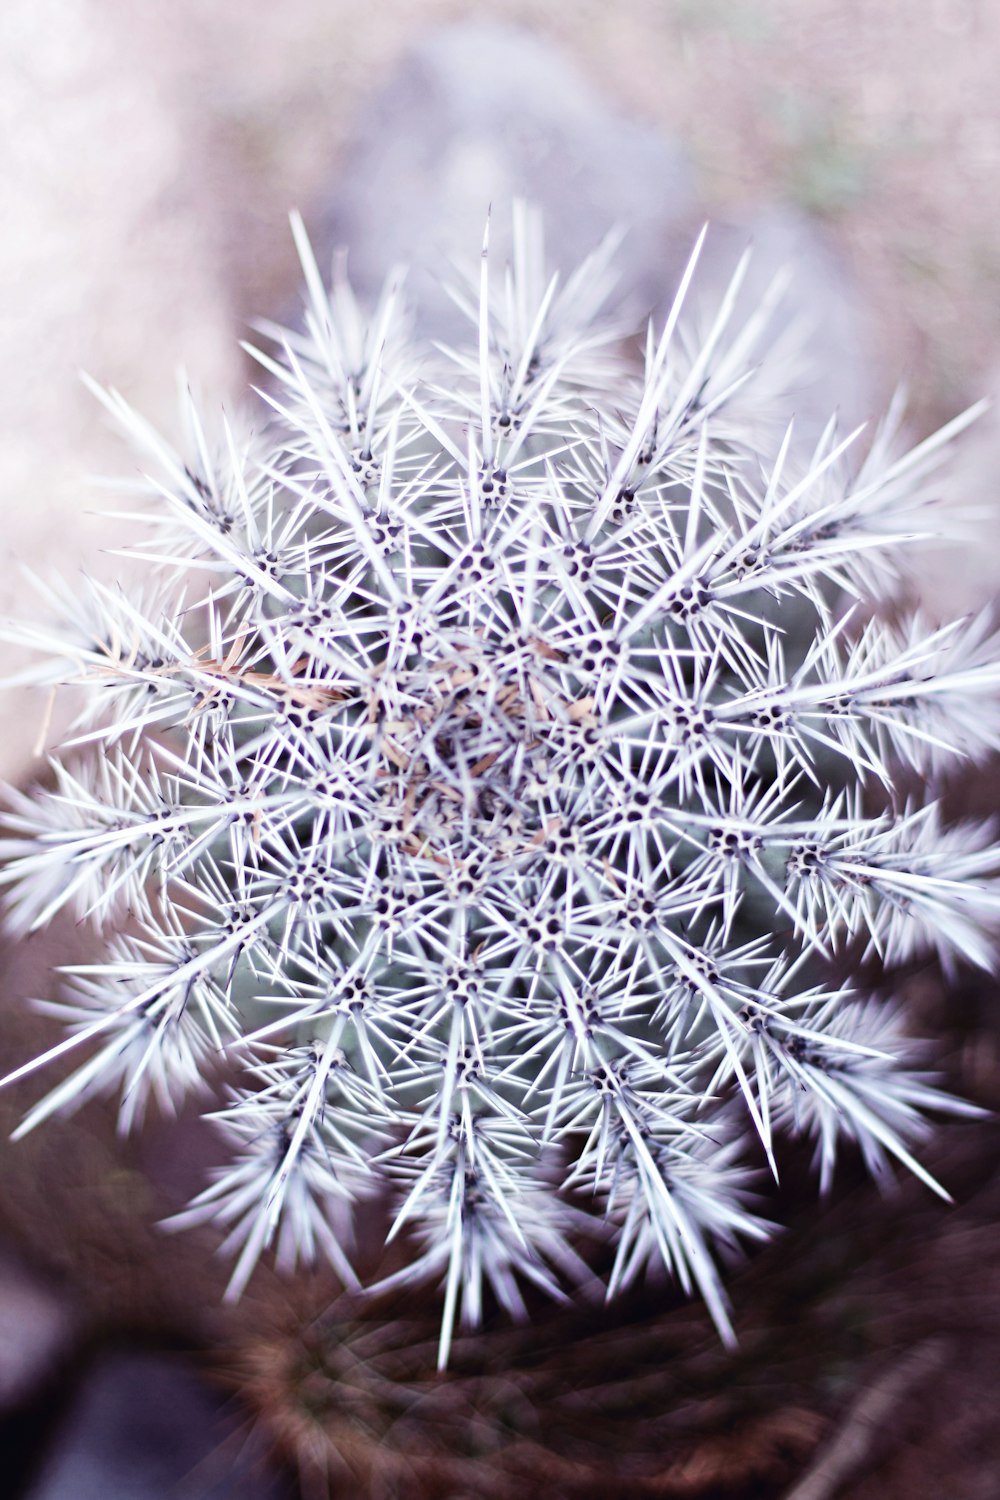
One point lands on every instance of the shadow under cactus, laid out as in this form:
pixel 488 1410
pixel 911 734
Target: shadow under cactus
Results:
pixel 891 1303
pixel 868 1334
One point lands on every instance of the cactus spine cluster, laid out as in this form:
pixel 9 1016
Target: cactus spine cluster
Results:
pixel 508 738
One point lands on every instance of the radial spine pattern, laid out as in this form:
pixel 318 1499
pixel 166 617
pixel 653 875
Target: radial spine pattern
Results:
pixel 508 738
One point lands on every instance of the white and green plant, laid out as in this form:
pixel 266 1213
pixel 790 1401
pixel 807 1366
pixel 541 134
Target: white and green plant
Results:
pixel 514 747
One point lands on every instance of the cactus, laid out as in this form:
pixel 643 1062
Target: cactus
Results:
pixel 511 768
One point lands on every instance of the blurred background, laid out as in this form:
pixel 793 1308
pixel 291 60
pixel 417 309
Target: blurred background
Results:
pixel 149 156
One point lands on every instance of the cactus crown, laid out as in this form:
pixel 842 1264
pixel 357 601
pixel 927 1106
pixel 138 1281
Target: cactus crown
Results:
pixel 503 748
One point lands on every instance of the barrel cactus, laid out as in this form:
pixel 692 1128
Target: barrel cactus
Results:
pixel 514 768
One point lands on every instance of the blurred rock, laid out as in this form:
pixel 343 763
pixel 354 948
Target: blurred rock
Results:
pixel 957 572
pixel 37 1327
pixel 481 113
pixel 842 367
pixel 146 1427
pixel 477 114
pixel 819 351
